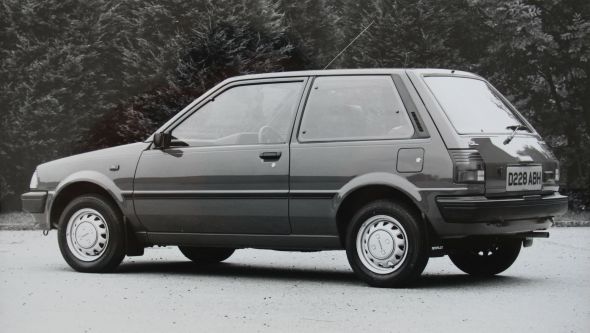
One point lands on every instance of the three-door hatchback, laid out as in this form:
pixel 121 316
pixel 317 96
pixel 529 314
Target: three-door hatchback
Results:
pixel 392 165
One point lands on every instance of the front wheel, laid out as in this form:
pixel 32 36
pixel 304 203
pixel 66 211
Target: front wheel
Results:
pixel 206 255
pixel 91 236
pixel 486 258
pixel 386 244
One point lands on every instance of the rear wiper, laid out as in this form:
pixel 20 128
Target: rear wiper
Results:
pixel 514 129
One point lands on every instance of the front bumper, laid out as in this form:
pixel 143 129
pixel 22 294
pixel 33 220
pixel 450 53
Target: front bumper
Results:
pixel 484 210
pixel 35 203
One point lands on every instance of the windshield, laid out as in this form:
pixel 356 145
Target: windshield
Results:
pixel 471 105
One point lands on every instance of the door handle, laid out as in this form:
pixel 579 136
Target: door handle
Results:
pixel 270 156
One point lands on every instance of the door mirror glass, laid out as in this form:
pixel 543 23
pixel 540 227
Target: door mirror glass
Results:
pixel 162 140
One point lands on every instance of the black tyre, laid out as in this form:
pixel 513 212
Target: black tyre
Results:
pixel 387 244
pixel 206 255
pixel 91 235
pixel 486 258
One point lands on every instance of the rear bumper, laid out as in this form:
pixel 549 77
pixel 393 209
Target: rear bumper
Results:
pixel 483 210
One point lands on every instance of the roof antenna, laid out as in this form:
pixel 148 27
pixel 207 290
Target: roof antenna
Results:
pixel 351 42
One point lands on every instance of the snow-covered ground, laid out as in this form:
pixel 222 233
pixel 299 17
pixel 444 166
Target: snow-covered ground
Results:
pixel 26 221
pixel 546 290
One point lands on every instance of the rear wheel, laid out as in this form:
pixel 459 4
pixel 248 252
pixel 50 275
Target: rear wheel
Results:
pixel 91 235
pixel 386 244
pixel 206 255
pixel 486 258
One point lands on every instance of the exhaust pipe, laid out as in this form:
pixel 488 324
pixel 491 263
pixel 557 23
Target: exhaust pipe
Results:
pixel 534 234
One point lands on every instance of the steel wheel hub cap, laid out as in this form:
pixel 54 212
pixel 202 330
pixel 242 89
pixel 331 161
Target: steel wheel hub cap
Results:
pixel 381 244
pixel 87 234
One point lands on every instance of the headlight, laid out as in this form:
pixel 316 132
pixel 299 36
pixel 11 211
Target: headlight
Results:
pixel 34 181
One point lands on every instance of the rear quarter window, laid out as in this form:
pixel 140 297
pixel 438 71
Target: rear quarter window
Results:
pixel 346 108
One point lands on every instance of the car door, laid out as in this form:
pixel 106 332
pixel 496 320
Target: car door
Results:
pixel 227 169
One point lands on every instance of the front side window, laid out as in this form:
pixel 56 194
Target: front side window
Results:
pixel 243 115
pixel 471 105
pixel 344 108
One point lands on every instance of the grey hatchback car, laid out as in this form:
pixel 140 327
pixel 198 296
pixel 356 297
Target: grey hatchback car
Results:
pixel 392 165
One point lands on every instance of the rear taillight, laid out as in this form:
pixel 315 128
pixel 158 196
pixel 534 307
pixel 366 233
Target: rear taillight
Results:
pixel 468 166
pixel 551 176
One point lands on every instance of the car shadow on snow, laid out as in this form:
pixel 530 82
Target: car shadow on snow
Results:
pixel 461 281
pixel 345 277
pixel 236 270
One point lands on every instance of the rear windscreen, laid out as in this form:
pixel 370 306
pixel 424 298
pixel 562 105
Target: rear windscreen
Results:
pixel 471 105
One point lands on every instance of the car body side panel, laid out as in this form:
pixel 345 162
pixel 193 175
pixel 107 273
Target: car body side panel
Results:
pixel 323 174
pixel 113 169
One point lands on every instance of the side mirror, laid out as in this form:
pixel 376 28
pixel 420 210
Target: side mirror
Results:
pixel 162 140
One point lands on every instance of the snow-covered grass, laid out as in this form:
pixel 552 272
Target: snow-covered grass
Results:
pixel 18 221
pixel 572 219
pixel 24 221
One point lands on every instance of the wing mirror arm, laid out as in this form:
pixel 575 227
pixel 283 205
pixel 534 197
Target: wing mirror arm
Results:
pixel 162 140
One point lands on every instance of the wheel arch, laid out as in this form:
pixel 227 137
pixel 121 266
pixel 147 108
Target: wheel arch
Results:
pixel 373 187
pixel 72 189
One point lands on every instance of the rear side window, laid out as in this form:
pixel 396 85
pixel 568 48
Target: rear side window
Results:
pixel 472 105
pixel 343 108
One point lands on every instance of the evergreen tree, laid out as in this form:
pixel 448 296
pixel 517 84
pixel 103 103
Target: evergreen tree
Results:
pixel 78 75
pixel 314 30
pixel 539 55
pixel 222 40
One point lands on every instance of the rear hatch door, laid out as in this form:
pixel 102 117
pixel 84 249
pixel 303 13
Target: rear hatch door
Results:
pixel 517 162
pixel 519 167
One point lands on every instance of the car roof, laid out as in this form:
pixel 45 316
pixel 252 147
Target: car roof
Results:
pixel 364 71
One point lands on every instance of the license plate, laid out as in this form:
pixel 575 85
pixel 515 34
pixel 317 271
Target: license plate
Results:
pixel 524 178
